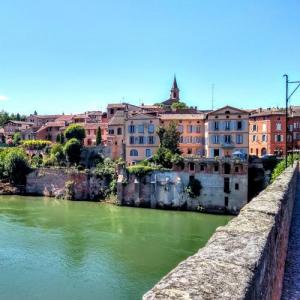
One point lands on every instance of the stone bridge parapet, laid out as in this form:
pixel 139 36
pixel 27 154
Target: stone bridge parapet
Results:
pixel 244 259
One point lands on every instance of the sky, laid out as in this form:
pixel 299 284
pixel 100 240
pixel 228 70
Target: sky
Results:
pixel 77 55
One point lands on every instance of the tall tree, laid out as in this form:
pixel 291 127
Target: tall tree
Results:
pixel 98 136
pixel 75 131
pixel 169 137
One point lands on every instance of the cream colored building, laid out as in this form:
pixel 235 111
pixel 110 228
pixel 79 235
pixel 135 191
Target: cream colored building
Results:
pixel 141 139
pixel 226 132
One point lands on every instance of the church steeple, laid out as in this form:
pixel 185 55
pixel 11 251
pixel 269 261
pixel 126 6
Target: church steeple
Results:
pixel 174 90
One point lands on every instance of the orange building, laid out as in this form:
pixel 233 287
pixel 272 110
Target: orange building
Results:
pixel 191 127
pixel 267 132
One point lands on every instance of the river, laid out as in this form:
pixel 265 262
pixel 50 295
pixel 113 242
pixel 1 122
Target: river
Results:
pixel 56 249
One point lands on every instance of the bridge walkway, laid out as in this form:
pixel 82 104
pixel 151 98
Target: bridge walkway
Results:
pixel 291 281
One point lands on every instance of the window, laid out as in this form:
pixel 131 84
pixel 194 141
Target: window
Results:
pixel 180 128
pixel 227 125
pixel 227 112
pixel 239 125
pixel 254 127
pixel 254 138
pixel 278 138
pixel 236 169
pixel 151 139
pixel 216 139
pixel 192 166
pixel 140 128
pixel 236 186
pixel 119 131
pixel 226 185
pixel 189 128
pixel 264 138
pixel 150 128
pixel 216 125
pixel 216 152
pixel 131 140
pixel 111 131
pixel 226 201
pixel 264 127
pixel 278 126
pixel 239 139
pixel 202 167
pixel 141 140
pixel 227 139
pixel 181 139
pixel 227 168
pixel 216 168
pixel 131 128
pixel 148 152
pixel 134 152
pixel 198 129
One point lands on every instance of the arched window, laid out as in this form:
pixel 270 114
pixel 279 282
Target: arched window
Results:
pixel 134 152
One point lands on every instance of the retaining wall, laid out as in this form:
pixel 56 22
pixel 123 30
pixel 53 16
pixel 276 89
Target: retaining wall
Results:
pixel 52 183
pixel 244 259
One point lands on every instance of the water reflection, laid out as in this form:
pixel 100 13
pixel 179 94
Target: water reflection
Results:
pixel 95 249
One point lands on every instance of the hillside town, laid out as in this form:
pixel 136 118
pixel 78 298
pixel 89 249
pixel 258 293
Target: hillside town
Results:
pixel 130 131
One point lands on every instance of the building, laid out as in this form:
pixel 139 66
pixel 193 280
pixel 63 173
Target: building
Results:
pixel 141 139
pixel 40 120
pixel 192 130
pixel 11 127
pixel 267 132
pixel 226 132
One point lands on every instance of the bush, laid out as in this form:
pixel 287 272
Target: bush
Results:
pixel 141 170
pixel 194 188
pixel 16 166
pixel 75 131
pixel 17 138
pixel 57 151
pixel 163 157
pixel 35 144
pixel 72 150
pixel 280 167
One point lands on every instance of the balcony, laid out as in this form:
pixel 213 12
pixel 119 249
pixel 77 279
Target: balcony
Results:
pixel 228 145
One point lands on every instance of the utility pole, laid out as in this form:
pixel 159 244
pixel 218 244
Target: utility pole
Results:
pixel 287 98
pixel 212 96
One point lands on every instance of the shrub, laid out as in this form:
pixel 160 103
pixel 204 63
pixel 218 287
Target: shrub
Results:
pixel 75 131
pixel 16 166
pixel 35 144
pixel 72 150
pixel 17 138
pixel 141 170
pixel 194 188
pixel 57 150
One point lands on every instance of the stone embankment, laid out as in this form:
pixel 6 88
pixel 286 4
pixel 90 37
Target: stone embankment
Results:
pixel 244 259
pixel 65 183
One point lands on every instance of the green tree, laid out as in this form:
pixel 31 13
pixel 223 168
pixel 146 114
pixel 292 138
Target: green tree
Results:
pixel 57 151
pixel 72 150
pixel 17 138
pixel 75 131
pixel 169 137
pixel 179 105
pixel 35 113
pixel 98 136
pixel 16 166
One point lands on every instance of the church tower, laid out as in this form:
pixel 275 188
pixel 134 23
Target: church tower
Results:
pixel 174 91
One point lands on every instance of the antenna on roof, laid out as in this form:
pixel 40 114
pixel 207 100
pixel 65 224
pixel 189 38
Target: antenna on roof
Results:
pixel 212 96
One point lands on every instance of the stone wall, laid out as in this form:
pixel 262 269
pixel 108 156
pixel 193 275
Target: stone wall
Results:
pixel 244 259
pixel 51 182
pixel 168 190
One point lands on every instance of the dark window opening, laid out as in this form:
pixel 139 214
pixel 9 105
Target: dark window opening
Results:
pixel 216 168
pixel 192 167
pixel 227 168
pixel 236 186
pixel 202 168
pixel 226 185
pixel 236 169
pixel 226 201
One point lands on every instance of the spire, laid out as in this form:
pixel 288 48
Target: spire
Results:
pixel 175 90
pixel 175 83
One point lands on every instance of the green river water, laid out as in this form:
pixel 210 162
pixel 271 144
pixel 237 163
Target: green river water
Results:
pixel 62 250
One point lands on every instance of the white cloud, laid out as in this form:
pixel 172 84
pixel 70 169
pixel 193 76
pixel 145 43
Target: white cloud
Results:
pixel 3 98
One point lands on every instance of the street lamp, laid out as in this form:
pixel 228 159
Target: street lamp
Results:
pixel 287 98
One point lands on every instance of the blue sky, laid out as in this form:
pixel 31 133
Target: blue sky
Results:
pixel 72 56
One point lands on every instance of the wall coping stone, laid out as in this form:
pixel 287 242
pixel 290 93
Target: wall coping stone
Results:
pixel 242 260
